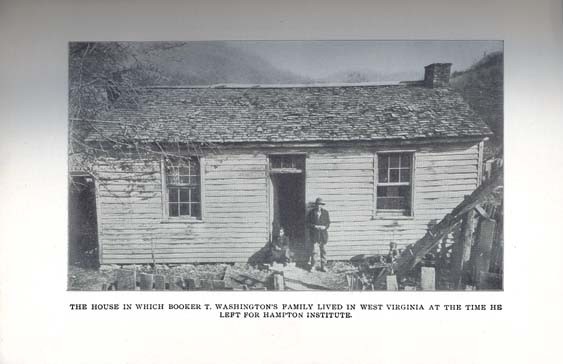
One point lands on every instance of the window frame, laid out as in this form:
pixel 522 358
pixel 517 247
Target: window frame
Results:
pixel 394 213
pixel 165 193
pixel 293 168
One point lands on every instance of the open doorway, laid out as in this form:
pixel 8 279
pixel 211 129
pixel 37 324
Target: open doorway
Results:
pixel 83 247
pixel 289 205
pixel 287 199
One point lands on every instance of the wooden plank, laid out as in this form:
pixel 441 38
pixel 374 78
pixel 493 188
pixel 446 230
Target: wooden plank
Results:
pixel 202 239
pixel 445 176
pixel 483 247
pixel 461 251
pixel 206 254
pixel 331 179
pixel 480 162
pixel 461 188
pixel 220 168
pixel 443 195
pixel 427 278
pixel 221 190
pixel 126 280
pixel 187 227
pixel 319 157
pixel 252 161
pixel 448 150
pixel 220 182
pixel 188 237
pixel 159 282
pixel 341 174
pixel 391 283
pixel 236 192
pixel 432 164
pixel 146 281
pixel 471 155
pixel 181 246
pixel 236 174
pixel 365 166
pixel 447 170
pixel 212 222
pixel 279 284
pixel 471 179
pixel 341 246
pixel 133 187
pixel 99 227
pixel 334 245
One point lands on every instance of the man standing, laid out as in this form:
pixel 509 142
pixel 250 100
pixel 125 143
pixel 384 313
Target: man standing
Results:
pixel 318 222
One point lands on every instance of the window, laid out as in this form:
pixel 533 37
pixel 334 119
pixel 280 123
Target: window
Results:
pixel 394 183
pixel 183 187
pixel 287 162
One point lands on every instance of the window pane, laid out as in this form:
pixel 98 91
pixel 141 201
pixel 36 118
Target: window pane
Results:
pixel 172 179
pixel 383 176
pixel 287 161
pixel 405 160
pixel 194 167
pixel 388 191
pixel 173 195
pixel 173 209
pixel 195 197
pixel 194 180
pixel 184 170
pixel 394 175
pixel 390 203
pixel 405 191
pixel 184 209
pixel 184 195
pixel 275 162
pixel 405 175
pixel 393 197
pixel 383 162
pixel 196 210
pixel 394 160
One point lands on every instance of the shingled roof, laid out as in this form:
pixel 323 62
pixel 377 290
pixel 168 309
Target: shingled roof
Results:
pixel 291 114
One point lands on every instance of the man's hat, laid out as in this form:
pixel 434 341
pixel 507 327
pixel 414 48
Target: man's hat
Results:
pixel 319 201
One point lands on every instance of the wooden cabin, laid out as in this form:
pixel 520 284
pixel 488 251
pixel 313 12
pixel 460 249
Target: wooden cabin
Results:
pixel 209 174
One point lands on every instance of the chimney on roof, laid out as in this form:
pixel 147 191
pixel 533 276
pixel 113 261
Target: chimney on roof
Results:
pixel 437 75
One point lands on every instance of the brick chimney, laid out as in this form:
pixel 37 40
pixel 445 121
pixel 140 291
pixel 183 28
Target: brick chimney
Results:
pixel 437 75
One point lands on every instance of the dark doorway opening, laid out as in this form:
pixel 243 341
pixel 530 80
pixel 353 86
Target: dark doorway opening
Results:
pixel 287 201
pixel 289 205
pixel 83 248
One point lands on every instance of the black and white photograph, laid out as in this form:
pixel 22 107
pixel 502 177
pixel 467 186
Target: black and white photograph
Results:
pixel 286 165
pixel 308 182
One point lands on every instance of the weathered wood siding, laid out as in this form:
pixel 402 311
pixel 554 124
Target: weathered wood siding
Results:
pixel 345 180
pixel 234 225
pixel 235 221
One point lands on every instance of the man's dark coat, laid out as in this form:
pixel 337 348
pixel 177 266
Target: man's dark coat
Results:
pixel 316 235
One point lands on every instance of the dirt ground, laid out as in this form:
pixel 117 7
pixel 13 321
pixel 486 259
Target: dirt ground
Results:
pixel 236 275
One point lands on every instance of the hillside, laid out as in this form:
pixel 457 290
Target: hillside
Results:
pixel 482 87
pixel 362 75
pixel 206 63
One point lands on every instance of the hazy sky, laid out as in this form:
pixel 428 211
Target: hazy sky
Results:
pixel 319 59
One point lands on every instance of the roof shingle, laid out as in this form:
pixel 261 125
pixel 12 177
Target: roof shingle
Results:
pixel 304 114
